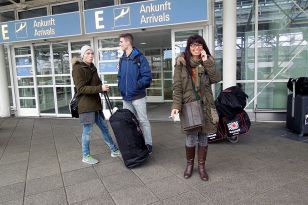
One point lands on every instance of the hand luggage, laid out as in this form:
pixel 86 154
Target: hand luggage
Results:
pixel 297 112
pixel 231 128
pixel 128 135
pixel 233 120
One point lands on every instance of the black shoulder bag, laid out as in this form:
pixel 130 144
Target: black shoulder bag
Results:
pixel 74 105
pixel 74 102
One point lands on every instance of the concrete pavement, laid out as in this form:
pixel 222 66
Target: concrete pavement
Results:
pixel 40 163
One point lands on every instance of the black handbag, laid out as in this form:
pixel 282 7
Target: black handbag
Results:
pixel 74 106
pixel 74 102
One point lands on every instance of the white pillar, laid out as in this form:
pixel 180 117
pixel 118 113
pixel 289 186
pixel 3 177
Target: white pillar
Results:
pixel 4 99
pixel 229 43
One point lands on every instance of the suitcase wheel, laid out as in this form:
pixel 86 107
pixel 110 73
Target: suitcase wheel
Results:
pixel 233 139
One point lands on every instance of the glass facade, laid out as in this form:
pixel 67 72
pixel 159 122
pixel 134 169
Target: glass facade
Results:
pixel 65 8
pixel 281 48
pixel 91 4
pixel 271 48
pixel 7 16
pixel 32 13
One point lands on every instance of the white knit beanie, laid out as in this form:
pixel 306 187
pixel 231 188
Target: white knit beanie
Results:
pixel 84 50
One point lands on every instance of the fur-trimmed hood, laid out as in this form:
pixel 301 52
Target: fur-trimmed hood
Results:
pixel 76 60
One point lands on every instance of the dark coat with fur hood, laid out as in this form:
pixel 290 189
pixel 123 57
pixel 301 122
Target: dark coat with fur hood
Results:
pixel 183 91
pixel 88 86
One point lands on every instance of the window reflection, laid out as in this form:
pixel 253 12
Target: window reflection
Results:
pixel 91 4
pixel 130 1
pixel 46 100
pixel 64 96
pixel 22 51
pixel 65 8
pixel 42 60
pixel 7 16
pixel 32 13
pixel 27 103
pixel 61 58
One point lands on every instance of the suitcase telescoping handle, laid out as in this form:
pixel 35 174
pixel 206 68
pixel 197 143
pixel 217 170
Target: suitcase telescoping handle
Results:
pixel 293 96
pixel 109 105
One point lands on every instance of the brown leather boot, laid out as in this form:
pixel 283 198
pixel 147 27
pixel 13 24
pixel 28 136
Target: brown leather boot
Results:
pixel 190 156
pixel 202 152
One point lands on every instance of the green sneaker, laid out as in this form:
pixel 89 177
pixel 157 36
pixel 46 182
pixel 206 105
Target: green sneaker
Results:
pixel 116 153
pixel 89 160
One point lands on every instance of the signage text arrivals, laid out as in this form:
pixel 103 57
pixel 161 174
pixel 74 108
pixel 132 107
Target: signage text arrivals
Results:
pixel 155 19
pixel 44 32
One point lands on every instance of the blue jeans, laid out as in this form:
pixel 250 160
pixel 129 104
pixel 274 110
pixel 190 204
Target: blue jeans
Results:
pixel 139 108
pixel 85 139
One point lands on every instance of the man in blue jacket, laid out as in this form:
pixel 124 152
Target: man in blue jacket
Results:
pixel 134 77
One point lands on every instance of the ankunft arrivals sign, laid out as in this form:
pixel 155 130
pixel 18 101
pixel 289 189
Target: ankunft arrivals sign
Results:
pixel 46 27
pixel 144 14
pixel 113 18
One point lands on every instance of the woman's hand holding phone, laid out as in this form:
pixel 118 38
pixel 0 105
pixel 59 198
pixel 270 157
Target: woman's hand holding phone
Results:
pixel 203 55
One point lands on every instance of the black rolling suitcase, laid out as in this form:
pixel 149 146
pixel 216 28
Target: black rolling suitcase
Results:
pixel 297 108
pixel 129 136
pixel 297 113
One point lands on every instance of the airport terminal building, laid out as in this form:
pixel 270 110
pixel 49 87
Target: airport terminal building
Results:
pixel 257 44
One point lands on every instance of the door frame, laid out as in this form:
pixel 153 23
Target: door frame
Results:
pixel 24 111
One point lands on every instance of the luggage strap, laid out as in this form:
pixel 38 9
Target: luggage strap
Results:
pixel 109 105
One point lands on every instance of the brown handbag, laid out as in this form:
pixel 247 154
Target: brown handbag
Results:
pixel 192 113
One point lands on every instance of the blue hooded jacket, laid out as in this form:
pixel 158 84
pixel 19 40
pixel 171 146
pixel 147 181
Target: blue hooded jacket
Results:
pixel 134 76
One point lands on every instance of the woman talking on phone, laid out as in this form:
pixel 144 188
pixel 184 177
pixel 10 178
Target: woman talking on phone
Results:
pixel 194 73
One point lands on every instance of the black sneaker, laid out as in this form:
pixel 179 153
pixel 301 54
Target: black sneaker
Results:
pixel 149 148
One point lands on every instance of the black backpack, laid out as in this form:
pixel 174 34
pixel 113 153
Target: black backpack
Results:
pixel 301 85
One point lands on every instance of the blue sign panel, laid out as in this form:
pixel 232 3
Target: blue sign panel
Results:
pixel 24 71
pixel 41 28
pixel 145 14
pixel 108 67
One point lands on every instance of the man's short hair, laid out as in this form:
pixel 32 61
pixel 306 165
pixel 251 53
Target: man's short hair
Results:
pixel 128 37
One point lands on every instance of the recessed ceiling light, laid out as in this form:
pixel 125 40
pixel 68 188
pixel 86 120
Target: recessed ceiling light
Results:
pixel 143 43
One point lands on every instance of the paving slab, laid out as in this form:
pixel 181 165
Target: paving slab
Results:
pixel 53 197
pixel 36 186
pixel 40 163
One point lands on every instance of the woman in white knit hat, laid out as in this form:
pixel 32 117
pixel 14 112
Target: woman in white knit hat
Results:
pixel 88 86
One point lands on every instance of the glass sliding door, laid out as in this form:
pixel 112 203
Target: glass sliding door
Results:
pixel 24 76
pixel 44 76
pixel 155 92
pixel 167 74
pixel 61 64
pixel 108 59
